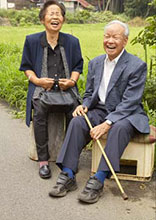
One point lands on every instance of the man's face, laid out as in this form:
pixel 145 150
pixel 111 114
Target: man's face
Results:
pixel 114 40
pixel 53 19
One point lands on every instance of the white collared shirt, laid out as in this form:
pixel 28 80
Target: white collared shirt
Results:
pixel 109 66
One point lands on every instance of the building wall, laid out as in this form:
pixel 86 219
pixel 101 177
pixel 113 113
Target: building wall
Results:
pixel 69 6
pixel 72 6
pixel 19 4
pixel 3 4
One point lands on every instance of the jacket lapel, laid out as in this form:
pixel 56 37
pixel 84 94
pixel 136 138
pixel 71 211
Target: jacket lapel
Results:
pixel 40 57
pixel 120 66
pixel 99 68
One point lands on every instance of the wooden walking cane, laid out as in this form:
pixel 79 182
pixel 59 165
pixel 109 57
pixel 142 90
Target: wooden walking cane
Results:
pixel 108 162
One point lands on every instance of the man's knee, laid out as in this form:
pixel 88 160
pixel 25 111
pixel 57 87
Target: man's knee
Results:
pixel 77 121
pixel 122 126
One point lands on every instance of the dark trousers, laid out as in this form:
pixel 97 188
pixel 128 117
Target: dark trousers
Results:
pixel 40 120
pixel 78 135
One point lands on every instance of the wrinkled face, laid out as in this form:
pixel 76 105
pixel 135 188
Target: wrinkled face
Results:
pixel 114 40
pixel 53 19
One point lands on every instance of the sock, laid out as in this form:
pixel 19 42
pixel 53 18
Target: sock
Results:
pixel 69 171
pixel 101 175
pixel 42 163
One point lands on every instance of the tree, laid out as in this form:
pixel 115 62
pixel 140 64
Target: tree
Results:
pixel 141 8
pixel 107 5
pixel 146 37
pixel 116 6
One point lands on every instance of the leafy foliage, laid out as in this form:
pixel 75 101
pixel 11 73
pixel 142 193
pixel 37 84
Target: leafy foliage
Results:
pixel 142 8
pixel 147 36
pixel 151 115
pixel 23 17
pixel 13 83
pixel 29 17
pixel 150 93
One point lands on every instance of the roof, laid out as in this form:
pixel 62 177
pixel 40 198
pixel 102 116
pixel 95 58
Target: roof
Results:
pixel 84 3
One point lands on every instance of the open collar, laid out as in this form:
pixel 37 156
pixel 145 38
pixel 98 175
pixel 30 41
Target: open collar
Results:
pixel 44 42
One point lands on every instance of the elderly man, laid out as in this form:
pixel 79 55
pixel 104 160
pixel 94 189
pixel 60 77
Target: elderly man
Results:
pixel 112 101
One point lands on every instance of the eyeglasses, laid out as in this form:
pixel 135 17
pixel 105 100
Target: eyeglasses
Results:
pixel 56 14
pixel 114 37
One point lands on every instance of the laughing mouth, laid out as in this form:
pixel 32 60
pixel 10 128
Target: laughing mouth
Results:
pixel 111 47
pixel 55 23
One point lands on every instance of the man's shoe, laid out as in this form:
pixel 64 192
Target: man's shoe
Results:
pixel 45 172
pixel 63 185
pixel 92 191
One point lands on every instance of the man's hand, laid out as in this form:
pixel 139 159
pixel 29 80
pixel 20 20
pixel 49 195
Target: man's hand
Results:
pixel 80 110
pixel 66 83
pixel 99 130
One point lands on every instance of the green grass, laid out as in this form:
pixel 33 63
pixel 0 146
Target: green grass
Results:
pixel 13 84
pixel 91 40
pixel 90 36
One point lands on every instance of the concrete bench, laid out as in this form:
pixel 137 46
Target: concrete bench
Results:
pixel 56 132
pixel 139 154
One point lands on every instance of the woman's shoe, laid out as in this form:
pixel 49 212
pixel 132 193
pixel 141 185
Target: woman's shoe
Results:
pixel 45 172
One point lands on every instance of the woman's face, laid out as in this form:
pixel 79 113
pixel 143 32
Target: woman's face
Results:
pixel 53 19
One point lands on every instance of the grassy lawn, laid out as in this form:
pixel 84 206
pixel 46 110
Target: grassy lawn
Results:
pixel 91 40
pixel 90 36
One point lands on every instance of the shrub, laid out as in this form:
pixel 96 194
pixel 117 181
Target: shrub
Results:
pixel 141 8
pixel 13 83
pixel 21 17
pixel 3 13
pixel 27 17
pixel 82 80
pixel 101 17
pixel 137 21
pixel 150 93
pixel 151 113
pixel 72 18
pixel 86 16
pixel 146 37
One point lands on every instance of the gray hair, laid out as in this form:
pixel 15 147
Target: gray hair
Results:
pixel 125 26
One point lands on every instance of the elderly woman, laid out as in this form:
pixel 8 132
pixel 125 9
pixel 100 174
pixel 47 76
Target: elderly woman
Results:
pixel 42 62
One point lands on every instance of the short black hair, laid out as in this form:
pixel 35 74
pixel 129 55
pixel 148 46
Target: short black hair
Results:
pixel 47 4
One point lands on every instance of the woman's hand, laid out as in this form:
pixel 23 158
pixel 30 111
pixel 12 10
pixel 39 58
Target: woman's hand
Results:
pixel 99 130
pixel 46 83
pixel 64 84
pixel 80 110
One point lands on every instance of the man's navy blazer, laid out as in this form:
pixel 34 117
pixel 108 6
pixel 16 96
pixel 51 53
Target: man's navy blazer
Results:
pixel 124 92
pixel 32 60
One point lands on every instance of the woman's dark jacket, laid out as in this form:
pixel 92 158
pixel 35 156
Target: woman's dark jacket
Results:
pixel 32 60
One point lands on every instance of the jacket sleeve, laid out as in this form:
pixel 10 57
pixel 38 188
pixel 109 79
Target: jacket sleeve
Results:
pixel 89 86
pixel 26 63
pixel 77 60
pixel 132 95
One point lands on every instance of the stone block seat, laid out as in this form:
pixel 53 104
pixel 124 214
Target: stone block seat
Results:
pixel 137 161
pixel 56 132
